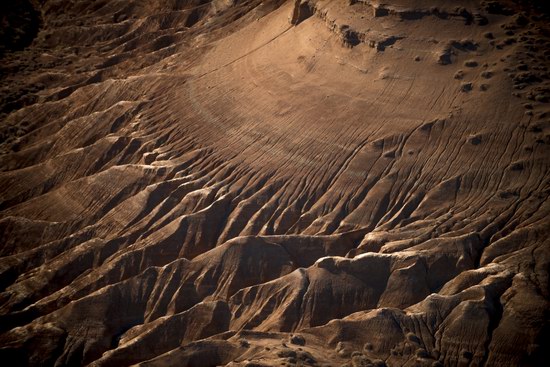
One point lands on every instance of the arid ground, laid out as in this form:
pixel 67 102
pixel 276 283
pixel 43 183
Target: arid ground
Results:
pixel 274 183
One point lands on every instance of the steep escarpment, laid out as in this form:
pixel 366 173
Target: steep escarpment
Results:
pixel 250 183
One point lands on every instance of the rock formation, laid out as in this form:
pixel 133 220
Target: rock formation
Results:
pixel 264 183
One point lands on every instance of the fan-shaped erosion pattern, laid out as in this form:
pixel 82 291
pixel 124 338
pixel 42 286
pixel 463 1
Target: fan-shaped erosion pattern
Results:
pixel 261 183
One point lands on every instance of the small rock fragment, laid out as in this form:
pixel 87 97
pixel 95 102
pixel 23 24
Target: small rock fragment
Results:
pixel 466 87
pixel 298 340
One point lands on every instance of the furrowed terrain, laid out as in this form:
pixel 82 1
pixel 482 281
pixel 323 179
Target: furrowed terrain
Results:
pixel 265 183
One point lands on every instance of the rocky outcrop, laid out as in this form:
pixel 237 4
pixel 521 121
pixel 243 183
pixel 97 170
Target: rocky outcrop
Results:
pixel 302 10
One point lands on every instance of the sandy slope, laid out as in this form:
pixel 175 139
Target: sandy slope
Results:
pixel 250 183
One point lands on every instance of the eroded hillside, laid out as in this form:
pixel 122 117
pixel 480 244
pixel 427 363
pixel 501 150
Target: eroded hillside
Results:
pixel 264 183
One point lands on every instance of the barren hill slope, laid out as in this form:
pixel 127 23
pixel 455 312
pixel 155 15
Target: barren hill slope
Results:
pixel 265 183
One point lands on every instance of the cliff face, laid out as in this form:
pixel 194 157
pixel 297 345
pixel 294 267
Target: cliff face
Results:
pixel 259 183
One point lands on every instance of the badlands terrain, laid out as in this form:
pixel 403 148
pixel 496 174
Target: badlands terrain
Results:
pixel 274 183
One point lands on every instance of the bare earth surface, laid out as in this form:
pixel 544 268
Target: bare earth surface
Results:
pixel 274 183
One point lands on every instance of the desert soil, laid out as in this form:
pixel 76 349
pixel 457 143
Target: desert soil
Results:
pixel 274 183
